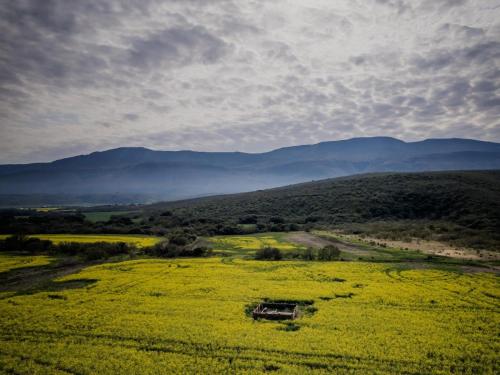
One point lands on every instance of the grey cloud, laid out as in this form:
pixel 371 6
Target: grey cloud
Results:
pixel 383 110
pixel 227 74
pixel 382 58
pixel 131 117
pixel 358 60
pixel 177 46
pixel 442 5
pixel 481 53
pixel 151 94
pixel 428 112
pixel 488 102
pixel 333 24
pixel 438 61
pixel 37 42
pixel 485 86
pixel 398 100
pixel 50 47
pixel 453 94
pixel 280 51
pixel 461 31
pixel 400 5
pixel 232 25
pixel 416 101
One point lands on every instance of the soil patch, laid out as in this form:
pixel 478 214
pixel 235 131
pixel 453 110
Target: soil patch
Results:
pixel 432 248
pixel 311 240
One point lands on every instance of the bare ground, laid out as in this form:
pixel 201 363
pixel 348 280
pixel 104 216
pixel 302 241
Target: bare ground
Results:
pixel 424 246
pixel 311 240
pixel 28 280
pixel 431 247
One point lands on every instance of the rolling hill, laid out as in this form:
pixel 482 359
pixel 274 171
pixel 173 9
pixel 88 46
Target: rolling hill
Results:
pixel 458 207
pixel 454 206
pixel 127 175
pixel 469 198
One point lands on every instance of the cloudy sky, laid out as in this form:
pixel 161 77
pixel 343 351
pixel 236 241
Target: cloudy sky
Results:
pixel 83 75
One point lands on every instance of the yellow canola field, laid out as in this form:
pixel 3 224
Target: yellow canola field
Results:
pixel 9 262
pixel 249 244
pixel 188 316
pixel 138 240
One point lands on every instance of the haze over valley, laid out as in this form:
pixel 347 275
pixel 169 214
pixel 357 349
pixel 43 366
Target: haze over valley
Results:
pixel 135 175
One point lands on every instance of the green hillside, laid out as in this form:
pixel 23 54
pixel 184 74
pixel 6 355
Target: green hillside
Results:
pixel 461 208
pixel 465 204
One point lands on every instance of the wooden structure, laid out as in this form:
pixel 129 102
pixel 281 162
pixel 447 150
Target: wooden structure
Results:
pixel 276 311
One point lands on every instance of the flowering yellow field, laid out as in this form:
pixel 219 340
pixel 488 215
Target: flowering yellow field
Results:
pixel 248 244
pixel 188 316
pixel 9 262
pixel 138 240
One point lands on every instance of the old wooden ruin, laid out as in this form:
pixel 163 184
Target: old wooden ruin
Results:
pixel 276 311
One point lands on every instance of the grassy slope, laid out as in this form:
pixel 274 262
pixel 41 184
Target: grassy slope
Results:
pixel 468 201
pixel 457 196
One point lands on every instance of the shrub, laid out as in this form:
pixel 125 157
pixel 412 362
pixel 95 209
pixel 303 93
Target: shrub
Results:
pixel 179 240
pixel 94 253
pixel 277 220
pixel 21 242
pixel 329 252
pixel 269 253
pixel 170 250
pixel 308 254
pixel 250 219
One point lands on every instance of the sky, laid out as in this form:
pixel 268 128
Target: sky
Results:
pixel 226 75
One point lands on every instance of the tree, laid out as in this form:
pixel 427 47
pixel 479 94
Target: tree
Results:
pixel 329 252
pixel 268 253
pixel 308 254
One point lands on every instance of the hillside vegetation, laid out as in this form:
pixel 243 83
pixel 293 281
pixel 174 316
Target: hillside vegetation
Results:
pixel 462 208
pixel 460 204
pixel 469 198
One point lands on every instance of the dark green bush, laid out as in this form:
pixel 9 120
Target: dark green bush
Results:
pixel 328 253
pixel 170 250
pixel 308 254
pixel 268 253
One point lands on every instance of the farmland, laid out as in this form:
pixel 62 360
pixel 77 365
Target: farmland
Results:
pixel 10 262
pixel 191 315
pixel 138 240
pixel 247 245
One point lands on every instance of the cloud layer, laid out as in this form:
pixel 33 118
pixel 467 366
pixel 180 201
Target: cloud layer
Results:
pixel 243 75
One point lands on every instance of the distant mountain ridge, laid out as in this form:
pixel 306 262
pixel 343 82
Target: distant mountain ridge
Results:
pixel 172 175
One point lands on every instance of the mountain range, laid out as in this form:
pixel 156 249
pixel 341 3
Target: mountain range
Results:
pixel 136 174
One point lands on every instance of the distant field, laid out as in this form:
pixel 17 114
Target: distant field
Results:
pixel 9 262
pixel 137 240
pixel 104 215
pixel 46 209
pixel 191 316
pixel 248 244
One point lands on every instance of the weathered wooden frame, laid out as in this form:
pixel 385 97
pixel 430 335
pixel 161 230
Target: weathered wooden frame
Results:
pixel 276 311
